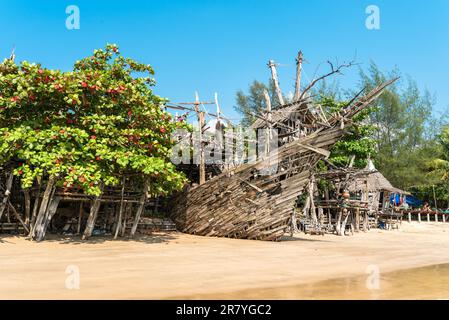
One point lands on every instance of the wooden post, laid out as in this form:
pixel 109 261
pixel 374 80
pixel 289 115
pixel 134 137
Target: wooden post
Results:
pixel 274 76
pixel 80 217
pixel 365 222
pixel 428 217
pixel 357 219
pixel 267 136
pixel 436 217
pixel 201 121
pixel 410 217
pixel 299 60
pixel 312 202
pixel 444 217
pixel 143 200
pixel 345 221
pixel 419 217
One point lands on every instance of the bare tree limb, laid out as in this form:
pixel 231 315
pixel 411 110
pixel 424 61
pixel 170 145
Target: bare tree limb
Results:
pixel 333 71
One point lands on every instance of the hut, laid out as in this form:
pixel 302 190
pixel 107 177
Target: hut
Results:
pixel 354 200
pixel 377 190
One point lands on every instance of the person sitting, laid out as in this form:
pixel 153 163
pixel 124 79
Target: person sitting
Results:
pixel 426 207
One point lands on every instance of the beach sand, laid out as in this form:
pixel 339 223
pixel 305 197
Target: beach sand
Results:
pixel 176 265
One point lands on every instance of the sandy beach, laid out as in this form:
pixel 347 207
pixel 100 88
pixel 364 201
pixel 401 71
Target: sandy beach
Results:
pixel 176 265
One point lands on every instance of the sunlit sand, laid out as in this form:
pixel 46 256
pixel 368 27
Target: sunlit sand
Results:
pixel 175 265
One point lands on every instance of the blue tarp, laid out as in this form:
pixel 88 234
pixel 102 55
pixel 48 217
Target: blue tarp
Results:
pixel 411 200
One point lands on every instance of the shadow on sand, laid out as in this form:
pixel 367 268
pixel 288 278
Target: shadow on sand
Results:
pixel 157 237
pixel 296 238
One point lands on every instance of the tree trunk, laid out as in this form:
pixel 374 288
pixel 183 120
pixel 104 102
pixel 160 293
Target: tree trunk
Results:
pixel 51 210
pixel 35 207
pixel 120 213
pixel 26 194
pixel 5 200
pixel 338 225
pixel 92 218
pixel 127 208
pixel 80 218
pixel 48 194
pixel 143 200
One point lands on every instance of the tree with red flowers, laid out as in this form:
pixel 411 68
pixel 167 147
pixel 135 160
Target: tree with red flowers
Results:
pixel 85 128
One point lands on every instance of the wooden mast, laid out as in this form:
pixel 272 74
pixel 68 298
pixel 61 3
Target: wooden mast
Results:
pixel 269 125
pixel 201 122
pixel 274 76
pixel 299 60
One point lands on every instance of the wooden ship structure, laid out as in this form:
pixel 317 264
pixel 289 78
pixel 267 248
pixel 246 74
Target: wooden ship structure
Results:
pixel 246 203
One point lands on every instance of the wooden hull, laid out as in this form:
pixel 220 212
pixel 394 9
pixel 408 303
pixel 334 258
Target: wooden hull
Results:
pixel 242 204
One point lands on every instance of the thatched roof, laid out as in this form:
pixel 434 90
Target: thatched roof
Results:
pixel 374 181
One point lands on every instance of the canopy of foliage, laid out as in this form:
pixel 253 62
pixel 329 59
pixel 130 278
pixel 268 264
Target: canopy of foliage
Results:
pixel 86 127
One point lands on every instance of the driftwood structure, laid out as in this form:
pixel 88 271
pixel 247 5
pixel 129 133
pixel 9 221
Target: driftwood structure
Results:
pixel 244 202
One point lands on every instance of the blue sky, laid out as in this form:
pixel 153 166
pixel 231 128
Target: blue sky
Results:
pixel 221 46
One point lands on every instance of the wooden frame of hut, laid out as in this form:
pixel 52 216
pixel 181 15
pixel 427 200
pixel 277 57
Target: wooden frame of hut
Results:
pixel 368 201
pixel 46 208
